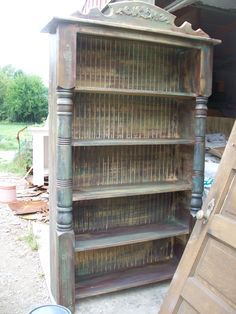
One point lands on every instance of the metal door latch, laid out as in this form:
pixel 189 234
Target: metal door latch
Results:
pixel 204 215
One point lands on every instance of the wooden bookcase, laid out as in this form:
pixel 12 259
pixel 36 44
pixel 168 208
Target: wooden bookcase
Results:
pixel 128 94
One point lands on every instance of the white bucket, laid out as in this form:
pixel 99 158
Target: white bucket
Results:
pixel 7 192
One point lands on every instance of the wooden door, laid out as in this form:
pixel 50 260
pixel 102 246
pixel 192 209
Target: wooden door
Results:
pixel 205 280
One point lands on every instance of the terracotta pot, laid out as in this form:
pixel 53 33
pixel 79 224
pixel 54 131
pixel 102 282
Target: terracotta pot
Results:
pixel 7 192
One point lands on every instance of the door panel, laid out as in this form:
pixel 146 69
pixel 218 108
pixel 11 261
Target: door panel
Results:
pixel 215 262
pixel 229 206
pixel 224 229
pixel 205 280
pixel 186 308
pixel 203 300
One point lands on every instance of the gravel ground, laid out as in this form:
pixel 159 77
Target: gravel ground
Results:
pixel 143 300
pixel 22 282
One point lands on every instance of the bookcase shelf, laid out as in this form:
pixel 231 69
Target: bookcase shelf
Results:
pixel 135 92
pixel 120 142
pixel 99 192
pixel 138 276
pixel 128 235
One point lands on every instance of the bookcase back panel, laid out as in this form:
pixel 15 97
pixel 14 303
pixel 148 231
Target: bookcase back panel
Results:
pixel 122 257
pixel 125 64
pixel 107 214
pixel 130 164
pixel 106 116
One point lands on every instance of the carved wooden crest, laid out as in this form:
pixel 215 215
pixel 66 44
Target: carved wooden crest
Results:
pixel 140 14
pixel 142 11
pixel 137 15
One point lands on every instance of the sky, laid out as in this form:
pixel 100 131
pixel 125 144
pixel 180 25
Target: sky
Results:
pixel 21 43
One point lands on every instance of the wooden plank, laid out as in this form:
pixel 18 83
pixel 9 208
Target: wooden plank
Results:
pixel 137 92
pixel 172 141
pixel 89 26
pixel 95 285
pixel 218 259
pixel 206 64
pixel 52 165
pixel 219 125
pixel 66 271
pixel 66 61
pixel 223 228
pixel 186 308
pixel 229 206
pixel 203 299
pixel 99 192
pixel 127 235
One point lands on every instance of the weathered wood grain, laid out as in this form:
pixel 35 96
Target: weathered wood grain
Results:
pixel 117 117
pixel 119 258
pixel 135 92
pixel 130 165
pixel 101 215
pixel 121 64
pixel 52 165
pixel 66 56
pixel 90 193
pixel 128 235
pixel 125 279
pixel 206 274
pixel 128 142
pixel 122 147
pixel 199 154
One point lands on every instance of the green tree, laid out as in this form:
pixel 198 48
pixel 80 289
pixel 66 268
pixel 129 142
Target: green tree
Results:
pixel 4 82
pixel 7 74
pixel 26 98
pixel 9 71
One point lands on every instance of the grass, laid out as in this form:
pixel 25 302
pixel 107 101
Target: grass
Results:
pixel 18 166
pixel 30 239
pixel 8 141
pixel 8 133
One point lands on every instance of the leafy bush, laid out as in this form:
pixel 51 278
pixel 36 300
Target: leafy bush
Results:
pixel 26 99
pixel 23 159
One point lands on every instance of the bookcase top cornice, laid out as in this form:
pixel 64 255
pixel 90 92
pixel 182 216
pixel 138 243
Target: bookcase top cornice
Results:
pixel 133 15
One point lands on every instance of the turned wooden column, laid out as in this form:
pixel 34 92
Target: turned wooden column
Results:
pixel 199 154
pixel 64 160
pixel 65 233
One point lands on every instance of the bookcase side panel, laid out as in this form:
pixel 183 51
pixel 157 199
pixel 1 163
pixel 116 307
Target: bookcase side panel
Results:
pixel 52 166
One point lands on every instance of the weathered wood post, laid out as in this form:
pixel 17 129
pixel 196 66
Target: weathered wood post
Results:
pixel 199 154
pixel 65 233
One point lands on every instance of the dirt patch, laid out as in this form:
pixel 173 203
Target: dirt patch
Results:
pixel 22 282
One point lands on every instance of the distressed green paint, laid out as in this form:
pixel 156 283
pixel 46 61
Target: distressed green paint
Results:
pixel 157 69
pixel 65 233
pixel 199 154
pixel 64 159
pixel 197 183
pixel 199 151
pixel 66 272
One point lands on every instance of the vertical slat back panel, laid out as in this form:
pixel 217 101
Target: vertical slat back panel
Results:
pixel 130 164
pixel 125 64
pixel 123 257
pixel 101 116
pixel 106 214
